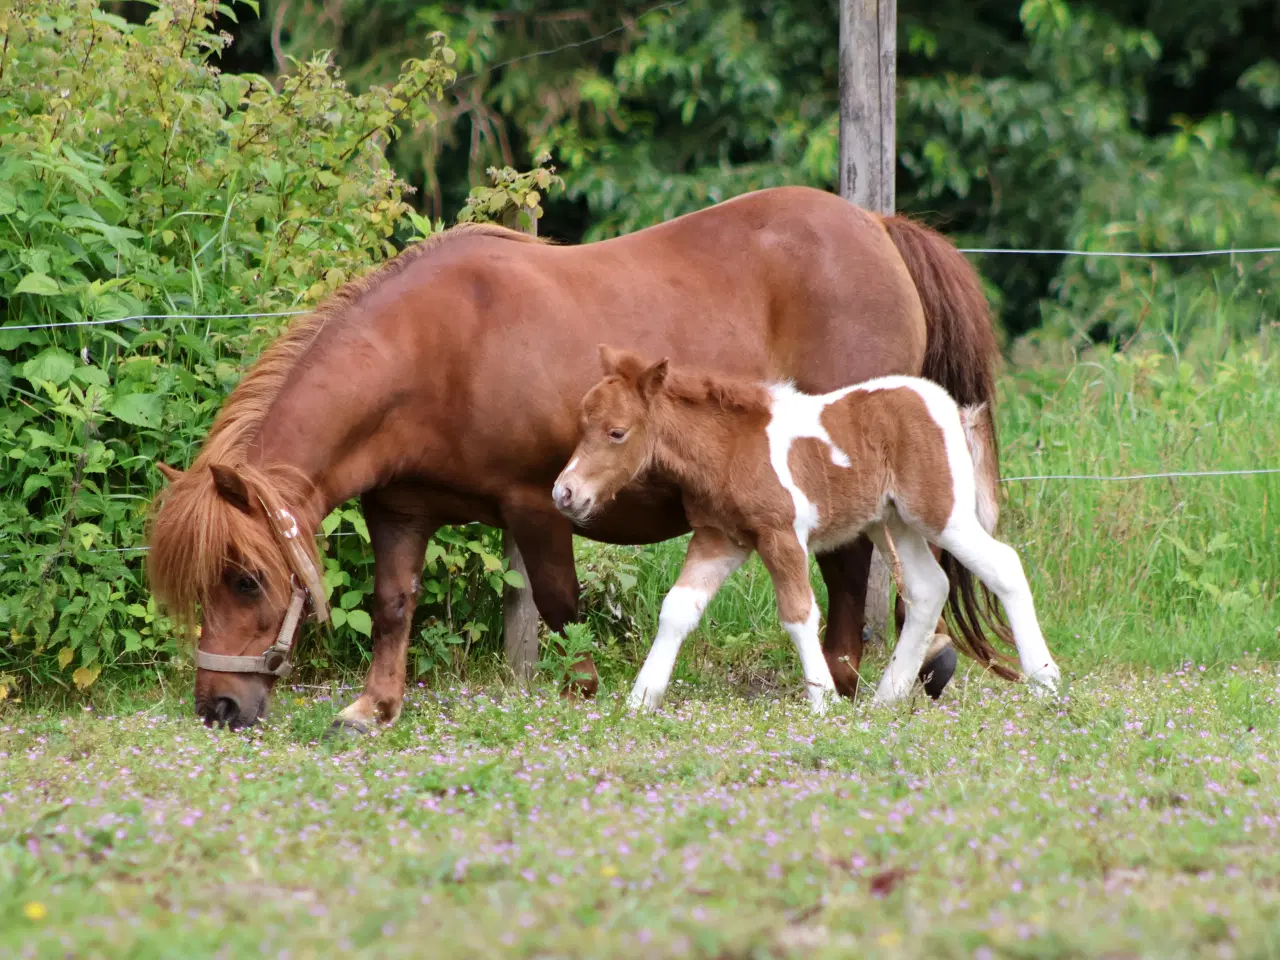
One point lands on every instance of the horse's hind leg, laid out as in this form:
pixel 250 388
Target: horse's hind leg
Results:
pixel 710 560
pixel 925 584
pixel 399 533
pixel 845 572
pixel 997 565
pixel 545 539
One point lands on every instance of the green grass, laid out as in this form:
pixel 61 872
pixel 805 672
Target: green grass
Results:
pixel 1135 817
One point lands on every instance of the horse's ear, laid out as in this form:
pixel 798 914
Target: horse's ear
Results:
pixel 652 378
pixel 231 486
pixel 172 474
pixel 609 359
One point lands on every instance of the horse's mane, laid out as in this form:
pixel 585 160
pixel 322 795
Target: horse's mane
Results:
pixel 194 532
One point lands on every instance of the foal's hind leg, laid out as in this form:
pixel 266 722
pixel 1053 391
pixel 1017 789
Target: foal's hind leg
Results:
pixel 926 587
pixel 788 565
pixel 399 532
pixel 997 565
pixel 711 559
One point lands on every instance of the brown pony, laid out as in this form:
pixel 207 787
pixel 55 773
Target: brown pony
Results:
pixel 763 467
pixel 444 388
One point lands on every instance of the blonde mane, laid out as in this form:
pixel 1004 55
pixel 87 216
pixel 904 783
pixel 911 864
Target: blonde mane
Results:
pixel 195 534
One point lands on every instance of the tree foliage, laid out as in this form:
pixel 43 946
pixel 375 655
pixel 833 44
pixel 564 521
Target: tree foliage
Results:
pixel 1128 125
pixel 137 179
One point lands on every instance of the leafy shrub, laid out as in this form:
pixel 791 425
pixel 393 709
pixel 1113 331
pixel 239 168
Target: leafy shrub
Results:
pixel 137 179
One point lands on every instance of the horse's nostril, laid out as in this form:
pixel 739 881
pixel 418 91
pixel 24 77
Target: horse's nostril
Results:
pixel 563 495
pixel 225 710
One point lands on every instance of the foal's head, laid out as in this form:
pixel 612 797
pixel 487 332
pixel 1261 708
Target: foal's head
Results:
pixel 617 434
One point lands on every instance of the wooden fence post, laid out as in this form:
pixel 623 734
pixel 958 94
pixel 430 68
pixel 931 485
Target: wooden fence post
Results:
pixel 519 614
pixel 868 73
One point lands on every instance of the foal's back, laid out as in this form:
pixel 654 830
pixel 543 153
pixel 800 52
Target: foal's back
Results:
pixel 844 457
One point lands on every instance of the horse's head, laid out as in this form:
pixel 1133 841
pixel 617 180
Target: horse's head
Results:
pixel 223 543
pixel 616 442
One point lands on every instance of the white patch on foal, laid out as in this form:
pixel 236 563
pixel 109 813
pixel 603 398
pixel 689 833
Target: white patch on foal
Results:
pixel 794 415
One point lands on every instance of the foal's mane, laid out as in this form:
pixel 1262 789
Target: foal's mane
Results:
pixel 195 533
pixel 700 388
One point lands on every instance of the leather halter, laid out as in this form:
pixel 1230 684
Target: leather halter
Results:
pixel 274 661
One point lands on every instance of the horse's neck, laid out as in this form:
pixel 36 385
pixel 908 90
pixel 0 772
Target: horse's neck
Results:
pixel 314 427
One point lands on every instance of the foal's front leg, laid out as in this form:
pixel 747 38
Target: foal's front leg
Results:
pixel 788 565
pixel 709 561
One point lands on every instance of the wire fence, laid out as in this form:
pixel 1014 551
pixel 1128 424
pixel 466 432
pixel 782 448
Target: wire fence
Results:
pixel 1129 254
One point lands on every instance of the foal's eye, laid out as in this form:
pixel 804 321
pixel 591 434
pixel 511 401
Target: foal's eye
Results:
pixel 247 585
pixel 617 434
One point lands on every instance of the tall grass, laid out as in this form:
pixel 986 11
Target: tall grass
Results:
pixel 1145 572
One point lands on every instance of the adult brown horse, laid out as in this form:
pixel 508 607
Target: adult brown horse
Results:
pixel 444 387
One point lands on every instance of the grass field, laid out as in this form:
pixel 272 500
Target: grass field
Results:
pixel 1134 817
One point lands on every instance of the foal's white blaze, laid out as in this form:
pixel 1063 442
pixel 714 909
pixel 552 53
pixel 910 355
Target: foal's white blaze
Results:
pixel 817 675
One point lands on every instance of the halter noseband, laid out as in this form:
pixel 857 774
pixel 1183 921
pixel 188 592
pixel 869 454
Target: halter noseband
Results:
pixel 274 661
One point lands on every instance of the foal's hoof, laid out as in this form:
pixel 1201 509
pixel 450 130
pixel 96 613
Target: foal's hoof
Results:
pixel 937 673
pixel 343 728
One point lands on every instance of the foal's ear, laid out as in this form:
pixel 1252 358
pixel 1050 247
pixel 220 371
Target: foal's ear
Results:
pixel 652 378
pixel 172 474
pixel 231 487
pixel 610 359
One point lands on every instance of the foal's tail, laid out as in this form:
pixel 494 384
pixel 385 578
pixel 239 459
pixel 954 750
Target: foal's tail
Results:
pixel 972 611
pixel 961 355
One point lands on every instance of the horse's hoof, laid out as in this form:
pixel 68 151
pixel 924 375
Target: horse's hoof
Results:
pixel 343 728
pixel 937 673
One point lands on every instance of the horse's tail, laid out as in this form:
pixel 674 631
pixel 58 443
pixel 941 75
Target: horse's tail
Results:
pixel 961 355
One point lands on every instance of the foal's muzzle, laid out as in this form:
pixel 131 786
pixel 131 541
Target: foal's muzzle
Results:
pixel 571 500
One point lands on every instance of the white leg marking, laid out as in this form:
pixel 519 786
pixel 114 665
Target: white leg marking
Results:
pixel 926 588
pixel 997 565
pixel 681 611
pixel 817 675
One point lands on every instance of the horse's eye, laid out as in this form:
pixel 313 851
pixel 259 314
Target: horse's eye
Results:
pixel 617 434
pixel 247 585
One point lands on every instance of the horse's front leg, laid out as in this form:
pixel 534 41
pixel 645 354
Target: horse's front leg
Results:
pixel 399 535
pixel 845 572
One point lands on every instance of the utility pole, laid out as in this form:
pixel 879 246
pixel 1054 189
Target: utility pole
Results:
pixel 868 161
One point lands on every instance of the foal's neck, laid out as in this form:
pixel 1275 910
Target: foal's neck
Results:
pixel 694 441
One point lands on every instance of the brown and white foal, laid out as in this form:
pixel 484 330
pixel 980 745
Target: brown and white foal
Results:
pixel 764 467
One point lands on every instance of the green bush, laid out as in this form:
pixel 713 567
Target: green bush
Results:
pixel 137 179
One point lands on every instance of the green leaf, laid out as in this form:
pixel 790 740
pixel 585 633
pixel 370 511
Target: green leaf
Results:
pixel 38 284
pixel 338 616
pixel 360 622
pixel 351 599
pixel 51 365
pixel 36 481
pixel 138 409
pixel 514 579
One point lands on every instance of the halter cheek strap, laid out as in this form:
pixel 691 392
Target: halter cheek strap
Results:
pixel 274 661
